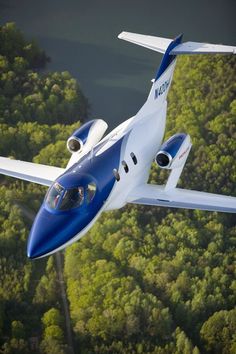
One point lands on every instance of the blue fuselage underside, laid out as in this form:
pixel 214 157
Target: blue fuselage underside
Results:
pixel 54 228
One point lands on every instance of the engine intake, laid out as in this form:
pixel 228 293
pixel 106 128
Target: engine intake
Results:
pixel 174 151
pixel 88 135
pixel 163 159
pixel 74 144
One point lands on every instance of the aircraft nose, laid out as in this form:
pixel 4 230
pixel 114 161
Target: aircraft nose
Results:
pixel 50 231
pixel 32 252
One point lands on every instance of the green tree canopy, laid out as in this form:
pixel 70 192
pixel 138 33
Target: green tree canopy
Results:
pixel 219 332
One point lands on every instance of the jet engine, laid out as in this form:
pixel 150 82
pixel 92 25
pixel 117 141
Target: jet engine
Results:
pixel 174 152
pixel 88 135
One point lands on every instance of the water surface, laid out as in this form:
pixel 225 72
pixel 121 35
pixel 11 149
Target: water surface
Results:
pixel 81 36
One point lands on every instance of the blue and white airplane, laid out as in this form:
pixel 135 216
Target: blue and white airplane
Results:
pixel 105 174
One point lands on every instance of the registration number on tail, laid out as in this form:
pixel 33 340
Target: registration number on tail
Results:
pixel 161 89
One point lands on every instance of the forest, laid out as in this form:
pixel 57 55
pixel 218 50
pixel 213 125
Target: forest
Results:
pixel 144 279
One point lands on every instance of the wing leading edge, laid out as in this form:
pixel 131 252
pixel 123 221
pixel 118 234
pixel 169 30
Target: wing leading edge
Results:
pixel 182 198
pixel 29 171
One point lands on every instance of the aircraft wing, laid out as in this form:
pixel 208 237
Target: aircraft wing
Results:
pixel 181 198
pixel 29 171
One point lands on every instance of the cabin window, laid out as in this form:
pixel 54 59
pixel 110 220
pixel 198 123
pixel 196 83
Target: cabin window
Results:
pixel 116 174
pixel 90 192
pixel 126 168
pixel 134 158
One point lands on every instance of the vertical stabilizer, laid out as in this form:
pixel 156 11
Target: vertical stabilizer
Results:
pixel 162 82
pixel 168 58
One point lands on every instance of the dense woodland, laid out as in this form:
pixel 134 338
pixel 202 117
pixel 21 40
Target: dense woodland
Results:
pixel 145 279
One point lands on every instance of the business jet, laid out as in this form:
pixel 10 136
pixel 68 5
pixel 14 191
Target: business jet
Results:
pixel 106 173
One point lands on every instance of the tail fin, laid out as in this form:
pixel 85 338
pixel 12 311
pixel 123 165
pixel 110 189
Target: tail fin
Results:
pixel 162 81
pixel 170 48
pixel 168 57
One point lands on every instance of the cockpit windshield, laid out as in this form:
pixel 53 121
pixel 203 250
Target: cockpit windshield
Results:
pixel 64 199
pixel 72 198
pixel 54 195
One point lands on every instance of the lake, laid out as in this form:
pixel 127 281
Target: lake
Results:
pixel 81 37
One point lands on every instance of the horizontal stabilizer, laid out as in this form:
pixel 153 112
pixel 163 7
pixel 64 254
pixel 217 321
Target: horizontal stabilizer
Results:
pixel 157 44
pixel 29 171
pixel 203 48
pixel 160 44
pixel 182 198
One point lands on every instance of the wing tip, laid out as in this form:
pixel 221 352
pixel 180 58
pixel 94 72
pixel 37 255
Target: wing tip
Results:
pixel 121 35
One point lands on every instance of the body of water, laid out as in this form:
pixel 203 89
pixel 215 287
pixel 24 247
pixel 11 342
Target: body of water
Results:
pixel 81 37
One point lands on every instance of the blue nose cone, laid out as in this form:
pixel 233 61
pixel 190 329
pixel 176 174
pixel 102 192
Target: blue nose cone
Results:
pixel 51 231
pixel 32 250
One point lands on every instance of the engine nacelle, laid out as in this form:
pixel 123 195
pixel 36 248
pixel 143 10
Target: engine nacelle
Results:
pixel 174 152
pixel 89 134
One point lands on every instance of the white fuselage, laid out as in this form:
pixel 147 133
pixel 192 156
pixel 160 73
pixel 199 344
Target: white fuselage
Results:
pixel 144 137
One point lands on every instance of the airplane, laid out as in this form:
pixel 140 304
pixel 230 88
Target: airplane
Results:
pixel 106 173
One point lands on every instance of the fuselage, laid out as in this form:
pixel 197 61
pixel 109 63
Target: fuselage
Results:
pixel 113 167
pixel 116 165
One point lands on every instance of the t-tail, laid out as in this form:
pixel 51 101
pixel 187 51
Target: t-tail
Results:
pixel 171 49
